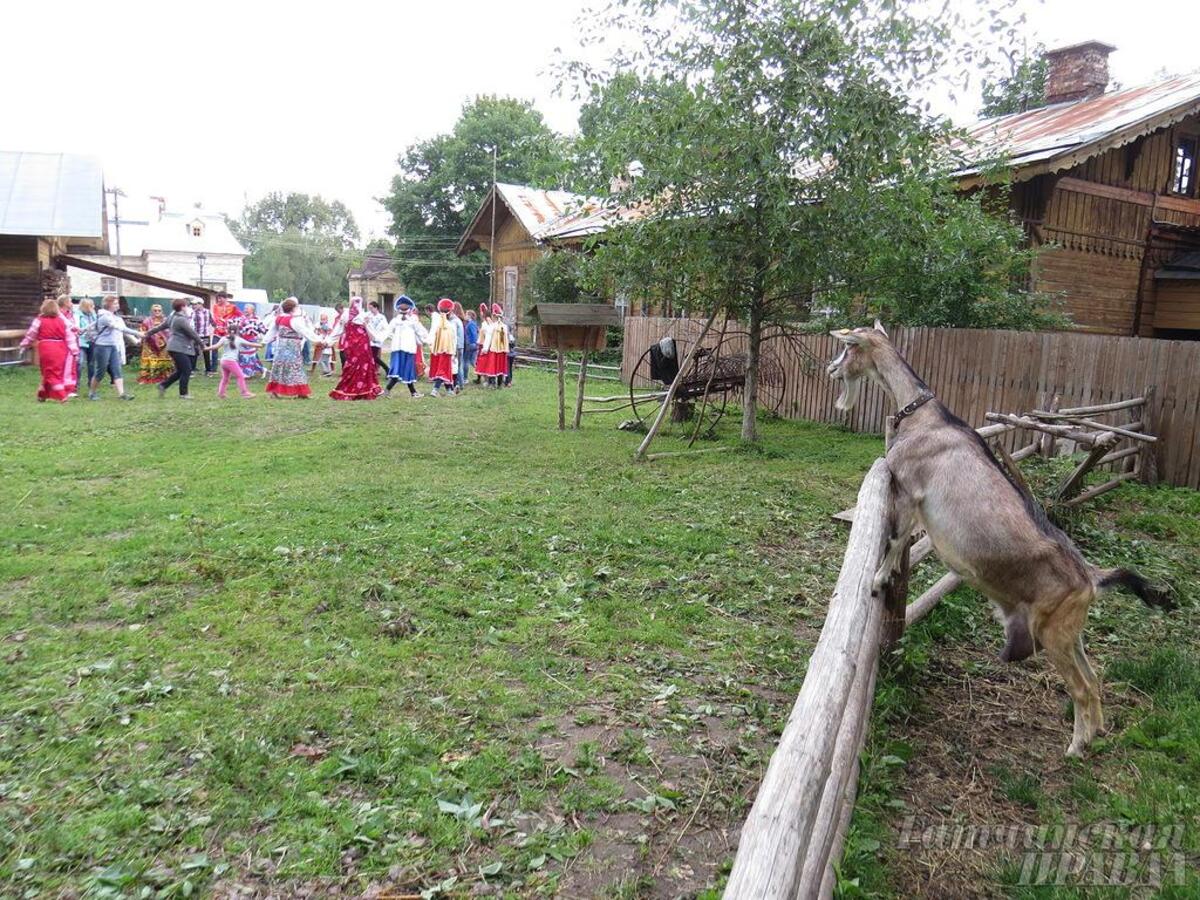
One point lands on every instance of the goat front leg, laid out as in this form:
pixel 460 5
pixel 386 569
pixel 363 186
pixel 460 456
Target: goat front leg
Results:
pixel 904 516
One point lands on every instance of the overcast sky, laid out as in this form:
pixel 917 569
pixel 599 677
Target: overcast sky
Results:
pixel 223 101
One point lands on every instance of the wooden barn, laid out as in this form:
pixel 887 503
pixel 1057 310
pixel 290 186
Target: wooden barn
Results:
pixel 511 225
pixel 50 204
pixel 1107 180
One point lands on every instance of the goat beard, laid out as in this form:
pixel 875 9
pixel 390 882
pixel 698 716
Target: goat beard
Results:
pixel 849 395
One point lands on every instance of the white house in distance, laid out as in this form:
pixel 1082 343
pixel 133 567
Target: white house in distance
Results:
pixel 190 246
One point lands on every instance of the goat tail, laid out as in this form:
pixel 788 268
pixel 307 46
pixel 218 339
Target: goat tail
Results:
pixel 1132 581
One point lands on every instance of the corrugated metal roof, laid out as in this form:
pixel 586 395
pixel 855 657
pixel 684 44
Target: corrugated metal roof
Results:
pixel 51 194
pixel 1064 129
pixel 537 209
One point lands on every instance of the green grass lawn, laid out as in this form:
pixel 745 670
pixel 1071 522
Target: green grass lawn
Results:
pixel 442 647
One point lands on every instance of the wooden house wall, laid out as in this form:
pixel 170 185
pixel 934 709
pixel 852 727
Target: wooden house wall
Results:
pixel 514 248
pixel 21 263
pixel 1100 217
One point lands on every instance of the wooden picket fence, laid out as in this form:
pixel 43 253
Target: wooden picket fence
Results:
pixel 974 372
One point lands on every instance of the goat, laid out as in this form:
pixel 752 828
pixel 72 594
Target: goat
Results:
pixel 983 525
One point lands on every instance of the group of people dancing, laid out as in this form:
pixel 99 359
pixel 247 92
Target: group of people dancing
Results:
pixel 227 341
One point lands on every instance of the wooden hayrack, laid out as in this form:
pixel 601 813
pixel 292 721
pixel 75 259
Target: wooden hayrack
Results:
pixel 572 326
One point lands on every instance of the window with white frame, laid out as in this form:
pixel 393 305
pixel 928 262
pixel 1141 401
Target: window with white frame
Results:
pixel 108 284
pixel 510 293
pixel 1187 155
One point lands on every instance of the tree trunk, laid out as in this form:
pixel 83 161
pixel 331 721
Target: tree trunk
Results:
pixel 750 394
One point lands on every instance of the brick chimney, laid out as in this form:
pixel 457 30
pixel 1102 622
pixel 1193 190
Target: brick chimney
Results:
pixel 1078 72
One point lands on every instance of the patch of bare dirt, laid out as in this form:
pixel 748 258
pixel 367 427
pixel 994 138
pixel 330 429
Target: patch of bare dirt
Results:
pixel 988 742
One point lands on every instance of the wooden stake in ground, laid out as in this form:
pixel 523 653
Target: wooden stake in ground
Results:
pixel 562 390
pixel 583 363
pixel 667 400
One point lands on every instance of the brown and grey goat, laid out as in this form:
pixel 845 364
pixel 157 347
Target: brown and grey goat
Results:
pixel 983 525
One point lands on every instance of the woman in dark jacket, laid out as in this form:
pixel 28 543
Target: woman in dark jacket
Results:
pixel 183 346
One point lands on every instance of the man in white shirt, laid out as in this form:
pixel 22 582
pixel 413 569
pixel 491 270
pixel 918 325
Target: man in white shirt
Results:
pixel 377 326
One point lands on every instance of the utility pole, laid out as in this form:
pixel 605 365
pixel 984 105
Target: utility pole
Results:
pixel 492 249
pixel 117 192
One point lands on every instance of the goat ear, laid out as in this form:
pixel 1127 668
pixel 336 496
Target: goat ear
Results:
pixel 846 336
pixel 879 328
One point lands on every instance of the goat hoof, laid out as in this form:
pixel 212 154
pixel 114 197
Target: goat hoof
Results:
pixel 1075 751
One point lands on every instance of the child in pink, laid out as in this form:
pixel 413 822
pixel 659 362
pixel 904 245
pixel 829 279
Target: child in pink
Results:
pixel 230 346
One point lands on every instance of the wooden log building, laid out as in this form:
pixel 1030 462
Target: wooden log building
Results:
pixel 50 204
pixel 1107 181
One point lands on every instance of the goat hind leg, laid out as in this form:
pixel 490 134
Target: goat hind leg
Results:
pixel 1059 640
pixel 1096 709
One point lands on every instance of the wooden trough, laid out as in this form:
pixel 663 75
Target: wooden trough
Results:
pixel 572 326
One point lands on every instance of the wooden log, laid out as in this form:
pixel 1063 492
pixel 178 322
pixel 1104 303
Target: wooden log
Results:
pixel 991 431
pixel 779 830
pixel 1099 489
pixel 667 454
pixel 919 608
pixel 579 387
pixel 833 816
pixel 1124 432
pixel 1014 470
pixel 1027 451
pixel 918 552
pixel 1147 463
pixel 657 395
pixel 1071 483
pixel 1088 410
pixel 592 376
pixel 1120 454
pixel 1047 448
pixel 1087 438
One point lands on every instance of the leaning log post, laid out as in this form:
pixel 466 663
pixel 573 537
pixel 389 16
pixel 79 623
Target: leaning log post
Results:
pixel 579 388
pixel 1048 439
pixel 1072 482
pixel 1147 463
pixel 811 763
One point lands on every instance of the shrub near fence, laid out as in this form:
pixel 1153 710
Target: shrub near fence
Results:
pixel 974 372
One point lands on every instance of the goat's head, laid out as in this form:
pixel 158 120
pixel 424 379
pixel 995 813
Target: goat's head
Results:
pixel 856 361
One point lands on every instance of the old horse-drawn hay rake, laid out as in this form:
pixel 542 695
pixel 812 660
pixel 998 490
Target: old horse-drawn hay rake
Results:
pixel 712 375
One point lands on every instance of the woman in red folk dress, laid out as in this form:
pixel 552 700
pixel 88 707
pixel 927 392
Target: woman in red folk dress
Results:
pixel 359 380
pixel 50 333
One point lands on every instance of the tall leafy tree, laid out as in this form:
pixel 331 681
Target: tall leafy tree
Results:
pixel 299 244
pixel 306 214
pixel 776 151
pixel 1023 88
pixel 443 180
pixel 312 267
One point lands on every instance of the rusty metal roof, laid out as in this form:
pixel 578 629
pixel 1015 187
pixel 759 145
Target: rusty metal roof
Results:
pixel 536 209
pixel 1063 135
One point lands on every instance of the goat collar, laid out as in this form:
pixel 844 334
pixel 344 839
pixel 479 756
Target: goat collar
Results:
pixel 911 408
